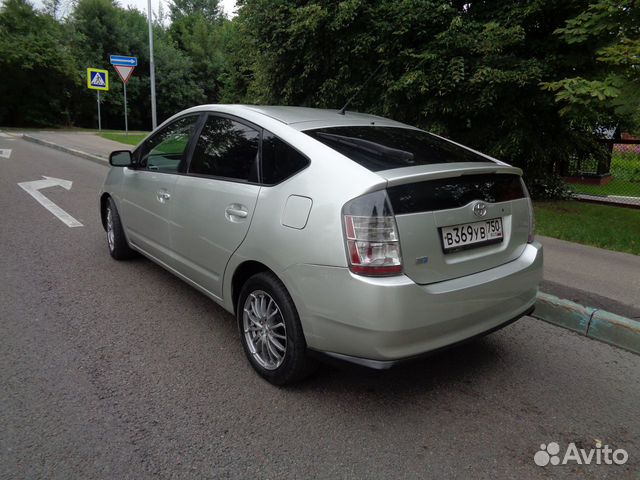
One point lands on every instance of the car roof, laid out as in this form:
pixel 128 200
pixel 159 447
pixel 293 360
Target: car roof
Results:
pixel 305 118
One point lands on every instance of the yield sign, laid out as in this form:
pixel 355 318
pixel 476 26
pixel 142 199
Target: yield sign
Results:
pixel 124 72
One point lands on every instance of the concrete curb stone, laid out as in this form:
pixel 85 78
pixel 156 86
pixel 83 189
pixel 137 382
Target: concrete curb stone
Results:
pixel 62 148
pixel 597 324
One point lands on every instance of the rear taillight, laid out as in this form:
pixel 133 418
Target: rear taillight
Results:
pixel 532 219
pixel 371 234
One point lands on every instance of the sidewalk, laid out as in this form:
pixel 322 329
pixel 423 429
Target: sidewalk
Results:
pixel 73 142
pixel 592 276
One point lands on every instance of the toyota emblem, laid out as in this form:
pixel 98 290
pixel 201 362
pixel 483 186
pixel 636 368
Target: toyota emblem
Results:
pixel 480 209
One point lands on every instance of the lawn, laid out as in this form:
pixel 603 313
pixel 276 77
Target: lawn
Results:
pixel 613 228
pixel 625 170
pixel 625 188
pixel 133 138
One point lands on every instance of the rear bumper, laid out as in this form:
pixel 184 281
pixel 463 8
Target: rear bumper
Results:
pixel 379 320
pixel 387 364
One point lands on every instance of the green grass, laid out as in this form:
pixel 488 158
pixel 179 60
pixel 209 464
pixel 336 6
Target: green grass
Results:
pixel 615 187
pixel 625 170
pixel 613 228
pixel 133 138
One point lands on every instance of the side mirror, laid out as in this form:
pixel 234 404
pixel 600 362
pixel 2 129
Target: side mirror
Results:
pixel 120 158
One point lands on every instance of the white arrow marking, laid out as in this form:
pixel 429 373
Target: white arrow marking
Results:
pixel 5 152
pixel 32 189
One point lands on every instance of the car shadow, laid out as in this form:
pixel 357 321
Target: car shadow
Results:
pixel 457 365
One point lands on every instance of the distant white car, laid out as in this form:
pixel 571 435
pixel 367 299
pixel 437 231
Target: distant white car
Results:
pixel 348 235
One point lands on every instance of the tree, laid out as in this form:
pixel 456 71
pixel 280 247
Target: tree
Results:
pixel 37 67
pixel 196 28
pixel 102 28
pixel 465 69
pixel 604 88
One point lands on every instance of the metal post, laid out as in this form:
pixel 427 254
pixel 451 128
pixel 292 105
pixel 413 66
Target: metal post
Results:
pixel 126 124
pixel 152 73
pixel 99 120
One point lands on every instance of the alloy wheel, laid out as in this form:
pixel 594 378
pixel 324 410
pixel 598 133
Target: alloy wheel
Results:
pixel 264 330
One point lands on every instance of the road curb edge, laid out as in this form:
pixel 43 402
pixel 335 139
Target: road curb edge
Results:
pixel 62 148
pixel 598 324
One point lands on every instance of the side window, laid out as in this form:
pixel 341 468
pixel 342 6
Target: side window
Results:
pixel 164 151
pixel 226 149
pixel 279 160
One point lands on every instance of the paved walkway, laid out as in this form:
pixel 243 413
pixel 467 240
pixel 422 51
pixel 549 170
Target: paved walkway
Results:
pixel 592 276
pixel 610 199
pixel 85 141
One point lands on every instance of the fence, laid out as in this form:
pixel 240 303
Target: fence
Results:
pixel 615 180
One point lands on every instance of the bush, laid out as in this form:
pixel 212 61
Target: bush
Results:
pixel 551 187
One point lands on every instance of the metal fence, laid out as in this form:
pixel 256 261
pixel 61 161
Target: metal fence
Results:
pixel 614 180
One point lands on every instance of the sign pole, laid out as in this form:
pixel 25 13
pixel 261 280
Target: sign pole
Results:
pixel 124 65
pixel 126 124
pixel 152 68
pixel 97 80
pixel 99 119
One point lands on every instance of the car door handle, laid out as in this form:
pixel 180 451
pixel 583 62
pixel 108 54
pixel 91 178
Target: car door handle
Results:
pixel 162 196
pixel 236 211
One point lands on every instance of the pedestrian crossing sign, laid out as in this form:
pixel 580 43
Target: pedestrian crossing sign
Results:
pixel 97 79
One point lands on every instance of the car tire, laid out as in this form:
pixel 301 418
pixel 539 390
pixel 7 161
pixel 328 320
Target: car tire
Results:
pixel 116 240
pixel 270 331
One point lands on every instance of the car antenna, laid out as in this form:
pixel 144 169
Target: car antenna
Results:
pixel 344 109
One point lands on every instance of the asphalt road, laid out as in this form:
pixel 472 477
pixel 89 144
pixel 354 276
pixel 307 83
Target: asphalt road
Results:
pixel 119 370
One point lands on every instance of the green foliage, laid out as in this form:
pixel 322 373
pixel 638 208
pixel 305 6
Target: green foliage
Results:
pixel 605 91
pixel 37 67
pixel 468 70
pixel 197 29
pixel 549 187
pixel 101 28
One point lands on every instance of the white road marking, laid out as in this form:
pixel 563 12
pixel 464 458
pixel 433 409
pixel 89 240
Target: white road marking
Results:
pixel 5 152
pixel 32 189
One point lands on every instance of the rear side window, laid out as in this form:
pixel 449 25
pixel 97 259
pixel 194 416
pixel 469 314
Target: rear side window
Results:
pixel 228 149
pixel 279 160
pixel 454 192
pixel 384 148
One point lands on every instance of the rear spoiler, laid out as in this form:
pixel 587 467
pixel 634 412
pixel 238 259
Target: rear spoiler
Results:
pixel 402 176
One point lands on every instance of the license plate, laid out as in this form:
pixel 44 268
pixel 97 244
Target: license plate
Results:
pixel 471 235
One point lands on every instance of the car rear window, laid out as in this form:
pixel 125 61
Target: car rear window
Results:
pixel 384 148
pixel 455 192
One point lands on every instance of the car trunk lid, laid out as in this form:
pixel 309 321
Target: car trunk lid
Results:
pixel 427 199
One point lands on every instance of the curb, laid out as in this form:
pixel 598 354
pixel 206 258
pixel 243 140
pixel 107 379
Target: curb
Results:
pixel 593 323
pixel 72 151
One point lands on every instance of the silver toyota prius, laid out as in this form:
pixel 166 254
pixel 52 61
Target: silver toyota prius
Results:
pixel 328 234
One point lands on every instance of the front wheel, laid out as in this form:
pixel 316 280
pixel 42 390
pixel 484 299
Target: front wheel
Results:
pixel 270 329
pixel 116 240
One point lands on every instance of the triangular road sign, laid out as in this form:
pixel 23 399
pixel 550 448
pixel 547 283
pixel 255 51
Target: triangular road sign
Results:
pixel 124 72
pixel 98 80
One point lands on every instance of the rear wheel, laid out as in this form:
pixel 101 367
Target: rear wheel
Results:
pixel 116 240
pixel 270 329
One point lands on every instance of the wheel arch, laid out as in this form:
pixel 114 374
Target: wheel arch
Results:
pixel 104 198
pixel 241 274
